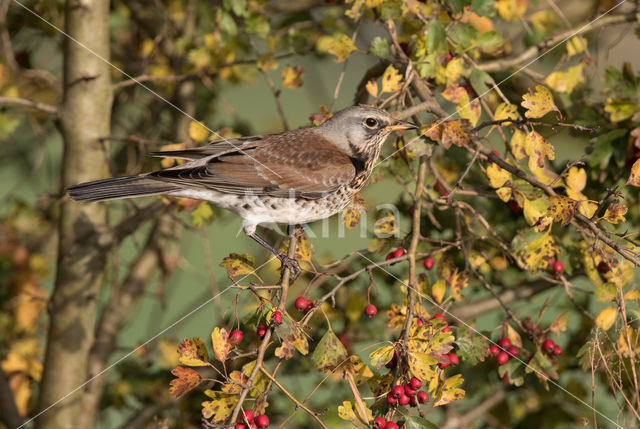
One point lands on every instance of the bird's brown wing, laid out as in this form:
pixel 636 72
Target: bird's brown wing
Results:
pixel 299 163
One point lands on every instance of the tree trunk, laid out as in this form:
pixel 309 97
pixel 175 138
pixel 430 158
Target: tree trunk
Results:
pixel 84 119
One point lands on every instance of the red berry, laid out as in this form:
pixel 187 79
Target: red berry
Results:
pixel 262 421
pixel 422 397
pixel 438 316
pixel 548 345
pixel 603 267
pixel 261 330
pixel 403 399
pixel 514 206
pixel 301 303
pixel 409 391
pixel 370 311
pixel 413 402
pixel 378 423
pixel 513 351
pixel 419 322
pixel 276 318
pixel 504 342
pixel 399 252
pixel 446 329
pixel 412 210
pixel 443 365
pixel 397 391
pixel 441 189
pixel 247 415
pixel 453 358
pixel 557 350
pixel 558 267
pixel 502 358
pixel 448 57
pixel 240 426
pixel 428 262
pixel 415 383
pixel 389 256
pixel 494 350
pixel 391 400
pixel 235 337
pixel 393 362
pixel 390 425
pixel 551 262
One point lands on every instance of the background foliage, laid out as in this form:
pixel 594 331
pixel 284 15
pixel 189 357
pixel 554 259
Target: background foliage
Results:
pixel 524 197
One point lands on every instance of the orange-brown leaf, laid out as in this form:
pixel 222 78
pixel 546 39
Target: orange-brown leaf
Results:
pixel 187 380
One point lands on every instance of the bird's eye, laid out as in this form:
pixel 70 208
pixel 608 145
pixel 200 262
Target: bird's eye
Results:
pixel 371 122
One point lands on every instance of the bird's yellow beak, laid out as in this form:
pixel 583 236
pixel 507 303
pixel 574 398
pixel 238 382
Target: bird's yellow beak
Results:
pixel 402 125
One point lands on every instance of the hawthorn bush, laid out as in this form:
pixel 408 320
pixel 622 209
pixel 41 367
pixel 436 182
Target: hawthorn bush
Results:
pixel 497 286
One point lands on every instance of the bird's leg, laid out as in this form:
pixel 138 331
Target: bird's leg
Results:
pixel 290 263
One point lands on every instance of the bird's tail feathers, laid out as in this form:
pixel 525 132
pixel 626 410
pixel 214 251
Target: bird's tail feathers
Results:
pixel 119 187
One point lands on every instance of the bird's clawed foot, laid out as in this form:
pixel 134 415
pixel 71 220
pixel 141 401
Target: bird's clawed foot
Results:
pixel 293 267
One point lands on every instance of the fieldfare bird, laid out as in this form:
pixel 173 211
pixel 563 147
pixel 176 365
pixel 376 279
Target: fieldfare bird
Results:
pixel 292 178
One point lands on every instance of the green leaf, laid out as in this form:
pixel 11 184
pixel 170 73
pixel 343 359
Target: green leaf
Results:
pixel 471 346
pixel 436 35
pixel 329 353
pixel 618 85
pixel 202 214
pixel 226 23
pixel 606 292
pixel 415 422
pixel 380 47
pixel 258 25
pixel 490 42
pixel 483 7
pixel 480 81
pixel 463 34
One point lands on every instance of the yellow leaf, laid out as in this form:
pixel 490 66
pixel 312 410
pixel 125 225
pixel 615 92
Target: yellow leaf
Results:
pixel 566 81
pixel 372 88
pixel 360 371
pixel 537 253
pixel 633 294
pixel 562 209
pixel 538 103
pixel 534 210
pixel 576 45
pixel 339 45
pixel 452 133
pixel 292 77
pixel 381 356
pixel 631 338
pixel 438 290
pixel 347 412
pixel 545 21
pixel 221 344
pixel 450 391
pixel 238 265
pixel 576 179
pixel 634 177
pixel 220 408
pixel 198 132
pixel 560 323
pixel 497 175
pixel 167 354
pixel 469 110
pixel 267 62
pixel 615 212
pixel 537 148
pixel 458 282
pixel 454 70
pixel 606 318
pixel 453 93
pixel 353 212
pixel 518 145
pixel 421 365
pixel 386 225
pixel 506 111
pixel 292 339
pixel 193 352
pixel 513 335
pixel 511 10
pixel 504 194
pixel 620 110
pixel 391 80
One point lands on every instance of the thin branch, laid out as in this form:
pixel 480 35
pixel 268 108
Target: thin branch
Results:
pixel 16 101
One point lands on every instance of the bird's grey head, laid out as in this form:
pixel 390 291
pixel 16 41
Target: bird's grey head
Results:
pixel 360 131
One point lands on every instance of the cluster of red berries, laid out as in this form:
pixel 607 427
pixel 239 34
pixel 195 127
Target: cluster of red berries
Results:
pixel 505 351
pixel 395 254
pixel 551 348
pixel 303 304
pixel 409 394
pixel 452 361
pixel 556 266
pixel 381 423
pixel 261 421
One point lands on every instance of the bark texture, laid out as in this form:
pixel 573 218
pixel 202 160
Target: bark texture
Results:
pixel 84 119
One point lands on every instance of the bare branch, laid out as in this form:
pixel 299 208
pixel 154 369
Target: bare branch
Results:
pixel 42 107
